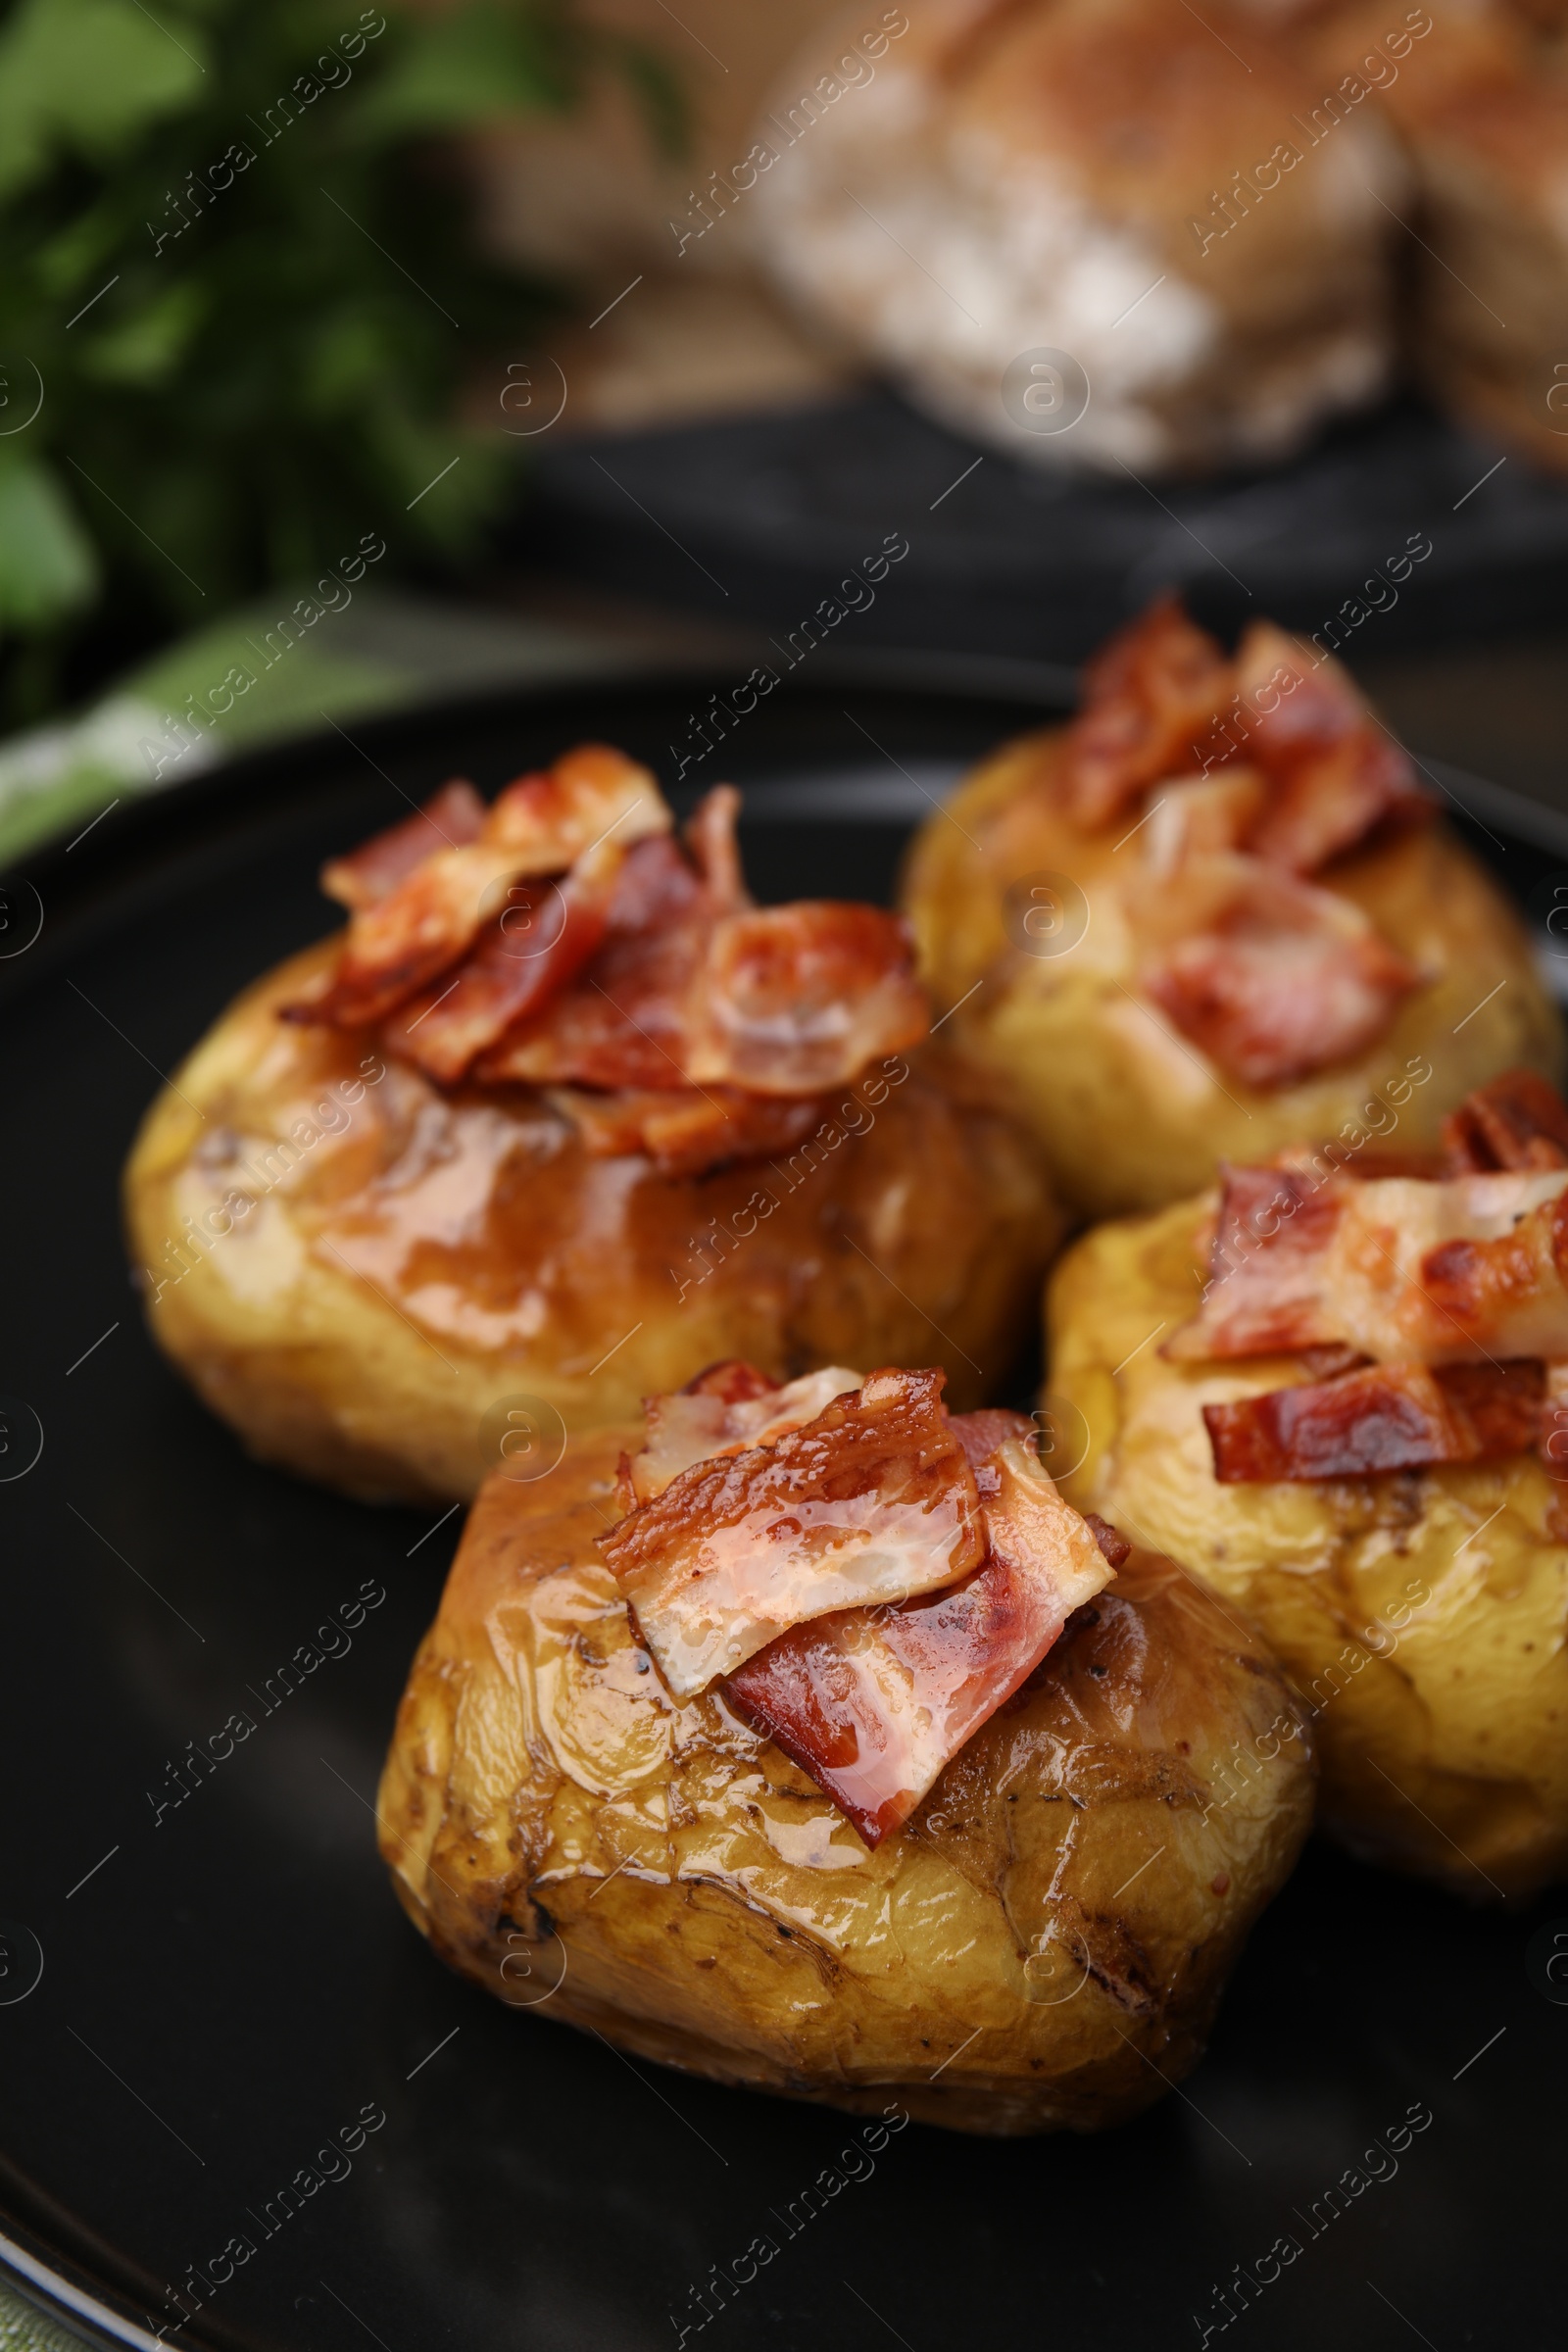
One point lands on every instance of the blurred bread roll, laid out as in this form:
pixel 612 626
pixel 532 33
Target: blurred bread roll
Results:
pixel 1121 182
pixel 1482 107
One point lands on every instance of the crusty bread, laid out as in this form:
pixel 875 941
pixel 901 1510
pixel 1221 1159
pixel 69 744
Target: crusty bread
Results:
pixel 1111 179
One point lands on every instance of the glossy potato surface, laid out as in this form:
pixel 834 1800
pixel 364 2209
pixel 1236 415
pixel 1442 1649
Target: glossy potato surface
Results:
pixel 1054 1923
pixel 435 1254
pixel 1130 1113
pixel 1423 1616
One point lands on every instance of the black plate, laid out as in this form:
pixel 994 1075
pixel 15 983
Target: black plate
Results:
pixel 763 515
pixel 227 1985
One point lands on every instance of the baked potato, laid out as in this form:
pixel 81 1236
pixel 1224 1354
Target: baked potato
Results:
pixel 1040 1944
pixel 1419 1609
pixel 390 1278
pixel 1173 937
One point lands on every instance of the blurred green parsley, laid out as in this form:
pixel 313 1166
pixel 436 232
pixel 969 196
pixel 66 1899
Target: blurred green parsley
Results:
pixel 240 295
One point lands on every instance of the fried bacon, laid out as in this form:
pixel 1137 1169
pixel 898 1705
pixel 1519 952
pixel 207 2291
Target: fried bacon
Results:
pixel 795 999
pixel 1405 1416
pixel 624 1021
pixel 1162 699
pixel 540 825
pixel 1149 695
pixel 1335 771
pixel 541 941
pixel 684 1131
pixel 870 1502
pixel 1279 979
pixel 727 1410
pixel 1396 1267
pixel 1518 1121
pixel 452 817
pixel 983 1434
pixel 873 1702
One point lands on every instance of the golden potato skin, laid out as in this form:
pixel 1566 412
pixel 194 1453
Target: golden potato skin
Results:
pixel 442 1252
pixel 1129 1113
pixel 1421 1615
pixel 566 1837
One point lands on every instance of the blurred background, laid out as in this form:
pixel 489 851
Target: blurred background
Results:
pixel 353 357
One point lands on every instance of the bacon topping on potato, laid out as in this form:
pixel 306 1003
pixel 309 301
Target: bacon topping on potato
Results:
pixel 1454 1282
pixel 1148 694
pixel 565 939
pixel 1255 774
pixel 873 1702
pixel 540 825
pixel 1386 1417
pixel 450 818
pixel 1469 1268
pixel 1162 703
pixel 1278 979
pixel 872 1501
pixel 760 1512
pixel 725 1411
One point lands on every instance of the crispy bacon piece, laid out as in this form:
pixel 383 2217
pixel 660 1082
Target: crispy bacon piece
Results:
pixel 1305 770
pixel 449 818
pixel 710 838
pixel 872 1502
pixel 1518 1121
pixel 685 1132
pixel 1149 695
pixel 1396 1267
pixel 1273 1231
pixel 1335 772
pixel 795 999
pixel 622 1023
pixel 541 941
pixel 1388 1417
pixel 727 1410
pixel 983 1434
pixel 1281 980
pixel 1112 1543
pixel 873 1702
pixel 542 824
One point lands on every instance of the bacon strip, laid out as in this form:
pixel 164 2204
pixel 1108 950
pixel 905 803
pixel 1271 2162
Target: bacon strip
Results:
pixel 684 1132
pixel 622 1023
pixel 1518 1121
pixel 1388 1417
pixel 727 1409
pixel 1162 699
pixel 870 1502
pixel 1149 695
pixel 1281 980
pixel 873 1702
pixel 542 824
pixel 1396 1267
pixel 542 939
pixel 796 998
pixel 1335 771
pixel 449 818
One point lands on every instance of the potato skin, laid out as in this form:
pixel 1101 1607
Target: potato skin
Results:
pixel 1422 1616
pixel 441 1251
pixel 1130 1116
pixel 566 1837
